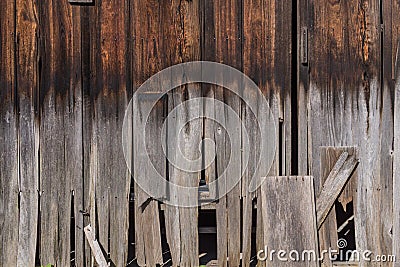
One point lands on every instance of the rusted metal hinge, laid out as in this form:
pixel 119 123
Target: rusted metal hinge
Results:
pixel 304 46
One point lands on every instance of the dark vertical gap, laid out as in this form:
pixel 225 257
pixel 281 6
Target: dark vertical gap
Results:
pixel 207 236
pixel 294 82
pixel 72 230
pixel 253 255
pixel 346 230
pixel 131 228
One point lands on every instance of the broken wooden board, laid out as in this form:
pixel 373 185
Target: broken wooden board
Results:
pixel 94 245
pixel 289 219
pixel 331 157
pixel 334 184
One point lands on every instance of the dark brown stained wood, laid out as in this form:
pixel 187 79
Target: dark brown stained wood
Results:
pixel 181 28
pixel 60 131
pixel 27 81
pixel 330 156
pixel 396 165
pixel 288 211
pixel 108 94
pixel 8 138
pixel 146 61
pixel 334 183
pixel 222 43
pixel 349 106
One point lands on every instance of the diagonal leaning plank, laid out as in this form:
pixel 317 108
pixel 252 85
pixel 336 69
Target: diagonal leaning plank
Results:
pixel 94 245
pixel 334 184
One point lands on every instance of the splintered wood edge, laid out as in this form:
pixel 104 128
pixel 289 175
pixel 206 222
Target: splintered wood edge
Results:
pixel 95 247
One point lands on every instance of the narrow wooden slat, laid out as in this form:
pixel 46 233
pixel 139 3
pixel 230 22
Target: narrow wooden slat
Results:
pixel 182 29
pixel 289 210
pixel 222 44
pixel 396 167
pixel 8 138
pixel 334 184
pixel 107 94
pixel 94 245
pixel 27 81
pixel 60 129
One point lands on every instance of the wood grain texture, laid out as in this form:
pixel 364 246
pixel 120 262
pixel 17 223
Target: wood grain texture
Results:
pixel 107 94
pixel 94 245
pixel 60 130
pixel 288 211
pixel 267 47
pixel 334 184
pixel 27 88
pixel 147 26
pixel 9 213
pixel 348 105
pixel 182 29
pixel 222 43
pixel 328 232
pixel 396 166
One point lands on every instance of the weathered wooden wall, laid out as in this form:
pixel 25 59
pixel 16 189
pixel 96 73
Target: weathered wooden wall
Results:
pixel 67 74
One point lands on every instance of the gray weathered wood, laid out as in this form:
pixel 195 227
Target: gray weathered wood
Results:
pixel 94 245
pixel 396 166
pixel 27 81
pixel 289 209
pixel 8 139
pixel 334 184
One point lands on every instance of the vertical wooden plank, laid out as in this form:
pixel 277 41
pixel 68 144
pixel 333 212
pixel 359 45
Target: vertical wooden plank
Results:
pixel 147 26
pixel 182 29
pixel 74 139
pixel 8 137
pixel 396 169
pixel 106 99
pixel 222 43
pixel 27 82
pixel 88 207
pixel 303 15
pixel 267 61
pixel 60 129
pixel 288 211
pixel 350 105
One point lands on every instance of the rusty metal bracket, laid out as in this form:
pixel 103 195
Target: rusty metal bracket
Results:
pixel 304 45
